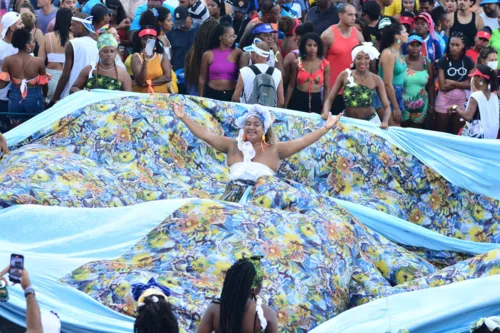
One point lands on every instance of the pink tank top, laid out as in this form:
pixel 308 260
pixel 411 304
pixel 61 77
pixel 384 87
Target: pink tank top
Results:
pixel 339 54
pixel 221 68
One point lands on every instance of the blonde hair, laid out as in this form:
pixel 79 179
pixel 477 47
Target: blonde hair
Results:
pixel 29 20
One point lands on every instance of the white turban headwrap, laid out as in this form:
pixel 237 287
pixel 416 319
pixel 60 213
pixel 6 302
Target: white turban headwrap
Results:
pixel 253 111
pixel 367 48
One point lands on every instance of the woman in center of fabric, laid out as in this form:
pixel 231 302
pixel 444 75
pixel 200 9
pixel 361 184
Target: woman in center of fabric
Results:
pixel 359 85
pixel 255 152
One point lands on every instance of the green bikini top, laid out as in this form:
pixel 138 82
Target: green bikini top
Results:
pixel 356 95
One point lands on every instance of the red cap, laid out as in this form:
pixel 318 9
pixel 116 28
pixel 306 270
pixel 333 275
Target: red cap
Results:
pixel 483 34
pixel 406 20
pixel 478 73
pixel 148 32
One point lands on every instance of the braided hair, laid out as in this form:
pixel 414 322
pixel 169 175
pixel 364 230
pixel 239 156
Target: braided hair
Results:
pixel 461 36
pixel 234 296
pixel 155 316
pixel 192 62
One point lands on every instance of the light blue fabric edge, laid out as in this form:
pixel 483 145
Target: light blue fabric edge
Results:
pixel 450 308
pixel 407 233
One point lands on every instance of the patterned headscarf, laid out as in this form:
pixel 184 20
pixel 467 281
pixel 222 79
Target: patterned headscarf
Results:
pixel 106 39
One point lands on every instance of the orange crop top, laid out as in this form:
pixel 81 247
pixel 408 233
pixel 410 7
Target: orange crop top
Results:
pixel 39 80
pixel 317 77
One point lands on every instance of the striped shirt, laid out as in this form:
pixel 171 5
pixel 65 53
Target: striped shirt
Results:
pixel 199 12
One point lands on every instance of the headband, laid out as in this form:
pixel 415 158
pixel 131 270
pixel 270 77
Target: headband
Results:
pixel 256 49
pixel 106 39
pixel 87 22
pixel 367 48
pixel 140 291
pixel 478 73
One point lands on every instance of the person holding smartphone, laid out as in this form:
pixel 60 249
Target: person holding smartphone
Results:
pixel 150 65
pixel 20 275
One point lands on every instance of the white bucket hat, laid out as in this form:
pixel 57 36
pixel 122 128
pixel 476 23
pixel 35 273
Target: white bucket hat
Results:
pixel 8 20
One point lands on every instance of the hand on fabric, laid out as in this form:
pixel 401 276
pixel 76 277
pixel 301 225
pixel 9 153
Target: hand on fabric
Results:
pixel 384 125
pixel 179 110
pixel 3 145
pixel 332 121
pixel 397 115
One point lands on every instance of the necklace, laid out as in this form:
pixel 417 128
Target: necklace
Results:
pixel 107 70
pixel 362 78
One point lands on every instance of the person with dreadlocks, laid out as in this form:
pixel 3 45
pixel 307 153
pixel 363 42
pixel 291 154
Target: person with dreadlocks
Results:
pixel 154 312
pixel 240 308
pixel 192 63
pixel 255 152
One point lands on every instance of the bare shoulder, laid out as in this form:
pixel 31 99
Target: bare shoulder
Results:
pixel 327 35
pixel 237 51
pixel 269 313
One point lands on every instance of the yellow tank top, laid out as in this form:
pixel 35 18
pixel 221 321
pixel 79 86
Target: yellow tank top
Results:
pixel 153 71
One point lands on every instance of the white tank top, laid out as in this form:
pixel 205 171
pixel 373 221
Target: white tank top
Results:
pixel 249 171
pixel 84 53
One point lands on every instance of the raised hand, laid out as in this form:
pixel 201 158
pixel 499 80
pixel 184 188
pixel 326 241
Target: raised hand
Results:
pixel 331 121
pixel 179 110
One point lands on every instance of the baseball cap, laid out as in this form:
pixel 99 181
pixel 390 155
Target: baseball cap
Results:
pixel 8 20
pixel 485 2
pixel 148 32
pixel 50 322
pixel 262 28
pixel 240 6
pixel 483 34
pixel 415 38
pixel 99 11
pixel 180 15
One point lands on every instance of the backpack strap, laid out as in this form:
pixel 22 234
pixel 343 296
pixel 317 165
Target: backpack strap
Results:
pixel 255 70
pixel 270 71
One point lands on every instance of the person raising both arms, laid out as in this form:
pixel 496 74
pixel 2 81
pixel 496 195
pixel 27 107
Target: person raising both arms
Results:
pixel 359 85
pixel 338 41
pixel 255 152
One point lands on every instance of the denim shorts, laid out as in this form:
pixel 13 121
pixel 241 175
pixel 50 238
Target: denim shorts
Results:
pixel 399 90
pixel 32 105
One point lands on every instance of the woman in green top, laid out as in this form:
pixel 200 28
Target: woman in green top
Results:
pixel 419 86
pixel 392 69
pixel 104 75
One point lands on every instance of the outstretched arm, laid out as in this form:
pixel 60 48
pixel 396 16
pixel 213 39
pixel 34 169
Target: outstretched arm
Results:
pixel 220 143
pixel 287 149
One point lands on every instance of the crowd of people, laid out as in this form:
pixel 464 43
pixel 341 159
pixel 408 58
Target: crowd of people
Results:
pixel 403 63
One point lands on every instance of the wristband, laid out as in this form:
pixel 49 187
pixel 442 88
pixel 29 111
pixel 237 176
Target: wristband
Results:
pixel 324 130
pixel 28 291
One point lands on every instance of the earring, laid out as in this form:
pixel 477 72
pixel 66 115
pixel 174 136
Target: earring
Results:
pixel 481 83
pixel 244 137
pixel 28 50
pixel 263 138
pixel 399 41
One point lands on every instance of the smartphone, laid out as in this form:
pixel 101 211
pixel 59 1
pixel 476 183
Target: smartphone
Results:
pixel 16 267
pixel 150 46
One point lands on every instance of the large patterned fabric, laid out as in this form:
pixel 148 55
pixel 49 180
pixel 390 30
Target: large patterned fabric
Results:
pixel 319 259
